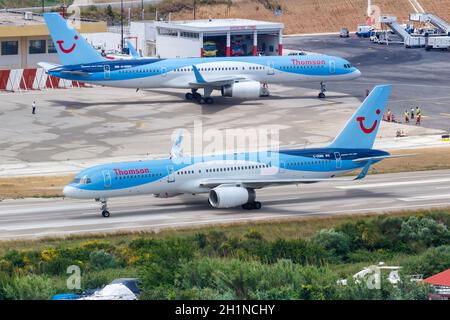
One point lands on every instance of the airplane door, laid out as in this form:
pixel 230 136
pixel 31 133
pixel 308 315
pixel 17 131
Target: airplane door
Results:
pixel 337 155
pixel 170 174
pixel 332 66
pixel 270 69
pixel 163 71
pixel 107 71
pixel 107 178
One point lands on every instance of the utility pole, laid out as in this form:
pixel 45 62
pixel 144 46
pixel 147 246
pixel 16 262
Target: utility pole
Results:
pixel 43 6
pixel 195 5
pixel 142 9
pixel 121 26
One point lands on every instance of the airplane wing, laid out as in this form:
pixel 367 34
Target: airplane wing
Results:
pixel 261 183
pixel 215 81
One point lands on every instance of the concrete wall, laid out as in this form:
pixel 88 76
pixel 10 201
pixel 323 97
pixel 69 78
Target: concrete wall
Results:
pixel 23 59
pixel 173 47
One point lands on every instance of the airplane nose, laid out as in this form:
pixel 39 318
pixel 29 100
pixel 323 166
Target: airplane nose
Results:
pixel 69 192
pixel 357 73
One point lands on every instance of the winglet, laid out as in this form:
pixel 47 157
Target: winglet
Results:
pixel 133 51
pixel 177 151
pixel 198 77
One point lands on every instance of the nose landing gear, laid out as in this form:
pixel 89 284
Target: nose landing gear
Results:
pixel 104 207
pixel 323 89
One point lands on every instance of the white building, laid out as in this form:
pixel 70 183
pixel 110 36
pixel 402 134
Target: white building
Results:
pixel 203 38
pixel 25 40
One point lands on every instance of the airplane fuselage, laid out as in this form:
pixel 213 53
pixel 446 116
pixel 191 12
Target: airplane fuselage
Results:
pixel 178 73
pixel 166 177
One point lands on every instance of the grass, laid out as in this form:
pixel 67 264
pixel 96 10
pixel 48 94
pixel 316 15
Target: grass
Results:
pixel 294 228
pixel 51 186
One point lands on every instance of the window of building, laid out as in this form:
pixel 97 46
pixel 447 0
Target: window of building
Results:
pixel 51 46
pixel 10 48
pixel 167 32
pixel 37 46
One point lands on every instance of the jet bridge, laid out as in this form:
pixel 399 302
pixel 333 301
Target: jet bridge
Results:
pixel 439 23
pixel 408 40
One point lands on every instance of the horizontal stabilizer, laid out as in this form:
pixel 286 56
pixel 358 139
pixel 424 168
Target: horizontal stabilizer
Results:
pixel 383 157
pixel 48 66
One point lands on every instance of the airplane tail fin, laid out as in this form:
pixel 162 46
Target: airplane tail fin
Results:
pixel 361 130
pixel 71 47
pixel 133 51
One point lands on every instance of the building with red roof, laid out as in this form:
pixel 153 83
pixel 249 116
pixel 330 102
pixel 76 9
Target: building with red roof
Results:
pixel 441 285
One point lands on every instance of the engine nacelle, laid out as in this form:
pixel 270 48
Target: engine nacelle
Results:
pixel 247 89
pixel 228 197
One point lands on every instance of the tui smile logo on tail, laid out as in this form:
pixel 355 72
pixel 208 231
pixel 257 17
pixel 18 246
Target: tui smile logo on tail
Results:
pixel 61 42
pixel 364 128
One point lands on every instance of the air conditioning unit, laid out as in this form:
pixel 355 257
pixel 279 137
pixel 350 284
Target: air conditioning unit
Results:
pixel 28 15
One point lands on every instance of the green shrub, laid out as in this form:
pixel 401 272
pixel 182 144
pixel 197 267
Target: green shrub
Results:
pixel 99 260
pixel 338 243
pixel 432 261
pixel 425 231
pixel 29 287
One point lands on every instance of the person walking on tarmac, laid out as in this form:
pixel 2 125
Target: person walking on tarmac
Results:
pixel 418 118
pixel 33 107
pixel 418 111
pixel 412 114
pixel 389 115
pixel 406 116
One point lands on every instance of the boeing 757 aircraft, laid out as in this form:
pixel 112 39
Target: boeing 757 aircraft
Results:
pixel 231 179
pixel 239 77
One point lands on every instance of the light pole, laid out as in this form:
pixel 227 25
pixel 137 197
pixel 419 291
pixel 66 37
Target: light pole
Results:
pixel 121 26
pixel 43 6
pixel 194 8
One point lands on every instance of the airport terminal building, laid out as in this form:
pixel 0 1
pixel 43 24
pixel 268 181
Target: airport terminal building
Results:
pixel 25 40
pixel 208 38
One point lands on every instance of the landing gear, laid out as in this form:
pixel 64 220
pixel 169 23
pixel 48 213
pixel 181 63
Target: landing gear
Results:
pixel 194 95
pixel 252 205
pixel 104 208
pixel 323 89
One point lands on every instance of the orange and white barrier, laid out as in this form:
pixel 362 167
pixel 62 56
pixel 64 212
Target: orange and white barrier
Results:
pixel 17 80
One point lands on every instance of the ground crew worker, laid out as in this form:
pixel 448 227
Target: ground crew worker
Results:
pixel 33 107
pixel 389 113
pixel 418 119
pixel 418 111
pixel 406 116
pixel 412 113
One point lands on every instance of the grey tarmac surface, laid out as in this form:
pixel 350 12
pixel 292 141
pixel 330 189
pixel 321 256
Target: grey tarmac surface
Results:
pixel 419 77
pixel 34 218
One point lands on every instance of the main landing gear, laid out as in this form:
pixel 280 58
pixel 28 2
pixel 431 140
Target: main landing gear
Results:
pixel 323 89
pixel 104 208
pixel 195 96
pixel 252 205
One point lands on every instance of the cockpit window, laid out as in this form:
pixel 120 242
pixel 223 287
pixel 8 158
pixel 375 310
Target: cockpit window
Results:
pixel 348 66
pixel 85 180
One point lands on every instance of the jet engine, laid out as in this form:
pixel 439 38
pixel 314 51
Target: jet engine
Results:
pixel 247 89
pixel 228 197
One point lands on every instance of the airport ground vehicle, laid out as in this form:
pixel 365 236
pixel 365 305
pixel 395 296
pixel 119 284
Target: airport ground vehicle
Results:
pixel 209 49
pixel 344 33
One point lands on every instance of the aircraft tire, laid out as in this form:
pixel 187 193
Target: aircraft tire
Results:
pixel 105 213
pixel 209 100
pixel 257 205
pixel 189 96
pixel 321 95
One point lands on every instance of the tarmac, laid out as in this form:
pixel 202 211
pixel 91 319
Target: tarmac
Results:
pixel 37 218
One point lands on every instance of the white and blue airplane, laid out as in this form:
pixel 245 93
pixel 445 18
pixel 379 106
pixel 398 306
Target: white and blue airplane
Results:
pixel 239 77
pixel 231 179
